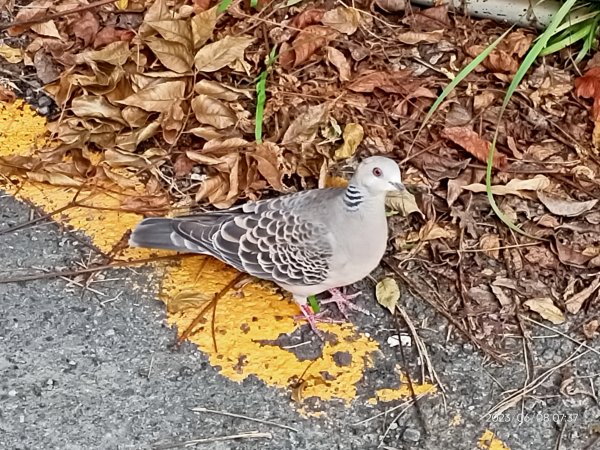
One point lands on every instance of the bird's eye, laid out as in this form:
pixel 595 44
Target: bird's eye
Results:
pixel 377 172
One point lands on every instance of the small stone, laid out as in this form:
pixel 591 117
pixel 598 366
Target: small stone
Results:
pixel 44 101
pixel 12 393
pixel 411 435
pixel 44 110
pixel 109 332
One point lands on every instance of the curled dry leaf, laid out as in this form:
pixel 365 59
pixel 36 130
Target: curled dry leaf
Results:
pixel 590 329
pixel 116 54
pixel 306 44
pixel 546 308
pixel 305 126
pixel 387 293
pixel 475 145
pixel 574 303
pixel 431 231
pixel 308 17
pixel 86 28
pixel 157 97
pixel 269 159
pixel 217 55
pixel 353 135
pixel 10 54
pixel 47 29
pixel 566 208
pixel 403 202
pixel 490 244
pixel 34 10
pixel 337 58
pixel 588 86
pixel 96 106
pixel 342 19
pixel 391 6
pixel 514 186
pixel 108 35
pixel 213 112
pixel 413 37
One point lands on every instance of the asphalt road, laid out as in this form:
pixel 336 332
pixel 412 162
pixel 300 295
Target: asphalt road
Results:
pixel 80 370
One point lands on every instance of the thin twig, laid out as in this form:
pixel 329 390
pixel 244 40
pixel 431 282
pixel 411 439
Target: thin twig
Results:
pixel 583 344
pixel 240 416
pixel 231 437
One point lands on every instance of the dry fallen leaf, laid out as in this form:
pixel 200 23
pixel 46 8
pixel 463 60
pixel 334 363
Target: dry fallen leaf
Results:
pixel 211 111
pixel 590 329
pixel 173 55
pixel 391 6
pixel 342 19
pixel 489 243
pixel 546 308
pixel 387 293
pixel 353 135
pixel 220 91
pixel 514 186
pixel 10 54
pixel 307 42
pixel 305 126
pixel 217 55
pixel 566 208
pixel 413 37
pixel 575 303
pixel 156 98
pixel 396 82
pixel 474 144
pixel 403 202
pixel 337 58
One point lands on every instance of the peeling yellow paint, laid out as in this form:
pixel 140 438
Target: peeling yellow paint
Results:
pixel 489 441
pixel 402 392
pixel 244 326
pixel 456 420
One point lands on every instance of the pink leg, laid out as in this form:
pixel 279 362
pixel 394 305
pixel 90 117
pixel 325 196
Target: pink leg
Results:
pixel 343 302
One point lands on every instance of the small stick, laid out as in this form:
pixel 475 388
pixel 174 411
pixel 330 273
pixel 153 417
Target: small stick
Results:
pixel 239 416
pixel 583 344
pixel 231 437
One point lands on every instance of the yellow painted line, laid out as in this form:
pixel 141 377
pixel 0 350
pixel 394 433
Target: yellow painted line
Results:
pixel 489 441
pixel 246 323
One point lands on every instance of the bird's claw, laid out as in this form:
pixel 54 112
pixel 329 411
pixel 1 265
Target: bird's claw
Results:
pixel 343 302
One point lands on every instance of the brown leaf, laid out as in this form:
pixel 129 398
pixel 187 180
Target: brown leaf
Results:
pixel 475 145
pixel 546 308
pixel 306 44
pixel 391 6
pixel 173 55
pixel 269 158
pixel 116 54
pixel 588 86
pixel 220 90
pixel 46 29
pixel 108 35
pixel 337 58
pixel 403 202
pixel 342 19
pixel 203 26
pixel 308 17
pixel 212 112
pixel 217 55
pixel 174 31
pixel 514 186
pixel 497 61
pixel 413 37
pixel 201 5
pixel 575 303
pixel 46 69
pixel 566 207
pixel 156 98
pixel 183 165
pixel 397 82
pixel 568 254
pixel 34 10
pixel 130 141
pixel 590 329
pixel 96 106
pixel 304 128
pixel 489 243
pixel 7 95
pixel 86 28
pixel 172 121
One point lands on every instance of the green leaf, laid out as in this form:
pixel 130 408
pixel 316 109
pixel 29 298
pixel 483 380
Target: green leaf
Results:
pixel 261 95
pixel 314 304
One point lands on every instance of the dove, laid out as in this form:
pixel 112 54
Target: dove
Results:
pixel 306 242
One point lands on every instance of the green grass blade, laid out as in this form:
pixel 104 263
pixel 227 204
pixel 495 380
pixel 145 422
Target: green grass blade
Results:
pixel 261 96
pixel 460 77
pixel 570 39
pixel 528 61
pixel 223 5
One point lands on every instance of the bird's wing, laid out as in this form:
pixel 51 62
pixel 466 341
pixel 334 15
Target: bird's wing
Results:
pixel 280 239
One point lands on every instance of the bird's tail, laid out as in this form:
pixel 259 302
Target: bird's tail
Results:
pixel 155 232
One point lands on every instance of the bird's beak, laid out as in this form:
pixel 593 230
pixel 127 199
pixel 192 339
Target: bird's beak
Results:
pixel 398 186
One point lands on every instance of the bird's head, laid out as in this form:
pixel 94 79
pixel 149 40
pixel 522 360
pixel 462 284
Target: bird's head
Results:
pixel 378 175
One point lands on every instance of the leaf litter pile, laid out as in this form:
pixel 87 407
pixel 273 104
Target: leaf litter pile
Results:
pixel 210 104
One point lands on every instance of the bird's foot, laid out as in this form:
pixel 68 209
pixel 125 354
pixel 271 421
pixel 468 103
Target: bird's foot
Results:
pixel 313 318
pixel 343 302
